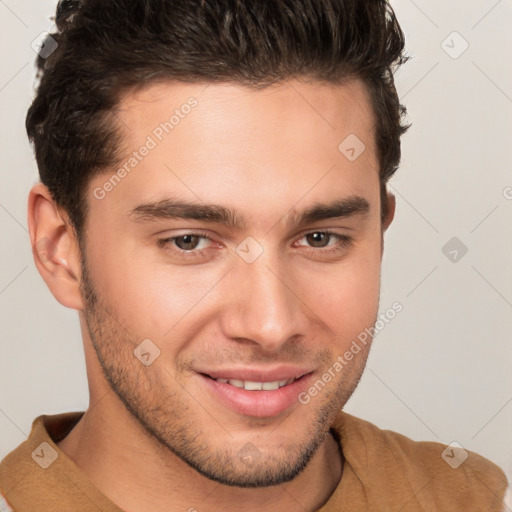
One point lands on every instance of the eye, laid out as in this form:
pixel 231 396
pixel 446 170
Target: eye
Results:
pixel 323 239
pixel 187 242
pixel 186 245
pixel 318 238
pixel 196 245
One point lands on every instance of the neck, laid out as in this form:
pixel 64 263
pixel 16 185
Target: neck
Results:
pixel 137 473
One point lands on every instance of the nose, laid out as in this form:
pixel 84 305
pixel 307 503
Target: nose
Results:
pixel 263 305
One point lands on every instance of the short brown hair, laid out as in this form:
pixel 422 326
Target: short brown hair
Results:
pixel 106 47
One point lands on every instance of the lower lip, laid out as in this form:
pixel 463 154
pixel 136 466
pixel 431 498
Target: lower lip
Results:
pixel 257 403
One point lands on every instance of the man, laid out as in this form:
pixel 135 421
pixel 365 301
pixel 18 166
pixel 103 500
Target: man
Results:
pixel 213 204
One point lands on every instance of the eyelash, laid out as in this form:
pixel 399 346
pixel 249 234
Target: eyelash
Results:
pixel 167 243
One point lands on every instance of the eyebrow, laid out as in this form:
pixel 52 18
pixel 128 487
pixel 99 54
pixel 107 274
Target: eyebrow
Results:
pixel 169 209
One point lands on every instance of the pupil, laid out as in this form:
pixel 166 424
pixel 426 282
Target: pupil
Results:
pixel 186 242
pixel 317 238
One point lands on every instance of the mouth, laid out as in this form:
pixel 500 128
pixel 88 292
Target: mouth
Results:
pixel 250 385
pixel 257 393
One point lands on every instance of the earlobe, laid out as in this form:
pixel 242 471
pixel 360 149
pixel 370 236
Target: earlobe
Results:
pixel 54 247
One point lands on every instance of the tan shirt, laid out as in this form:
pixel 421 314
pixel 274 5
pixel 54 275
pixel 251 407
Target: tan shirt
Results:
pixel 383 471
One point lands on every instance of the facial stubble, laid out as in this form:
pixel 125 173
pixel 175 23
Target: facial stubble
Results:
pixel 166 415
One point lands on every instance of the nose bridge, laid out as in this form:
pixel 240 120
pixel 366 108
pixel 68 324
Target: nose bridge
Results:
pixel 262 306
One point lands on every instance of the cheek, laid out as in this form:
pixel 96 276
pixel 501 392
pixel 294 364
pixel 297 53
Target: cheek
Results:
pixel 155 299
pixel 349 299
pixel 151 298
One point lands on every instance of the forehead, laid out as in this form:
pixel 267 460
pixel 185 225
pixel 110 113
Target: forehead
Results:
pixel 297 106
pixel 227 142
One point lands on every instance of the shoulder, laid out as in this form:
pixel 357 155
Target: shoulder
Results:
pixel 438 476
pixel 17 467
pixel 37 471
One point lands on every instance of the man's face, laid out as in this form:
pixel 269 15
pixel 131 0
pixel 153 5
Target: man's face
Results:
pixel 269 302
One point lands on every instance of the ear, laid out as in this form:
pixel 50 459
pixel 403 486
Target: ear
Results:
pixel 390 214
pixel 54 247
pixel 388 218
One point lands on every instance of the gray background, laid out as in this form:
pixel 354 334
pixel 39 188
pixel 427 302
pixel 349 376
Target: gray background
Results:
pixel 441 370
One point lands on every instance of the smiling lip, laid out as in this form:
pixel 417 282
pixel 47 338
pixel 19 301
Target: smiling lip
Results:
pixel 254 392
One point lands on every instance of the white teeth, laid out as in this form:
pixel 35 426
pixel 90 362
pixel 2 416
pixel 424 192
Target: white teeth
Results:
pixel 253 386
pixel 257 386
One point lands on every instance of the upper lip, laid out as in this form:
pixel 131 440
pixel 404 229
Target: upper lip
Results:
pixel 258 374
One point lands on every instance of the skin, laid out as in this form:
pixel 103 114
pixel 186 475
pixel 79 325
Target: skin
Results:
pixel 154 438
